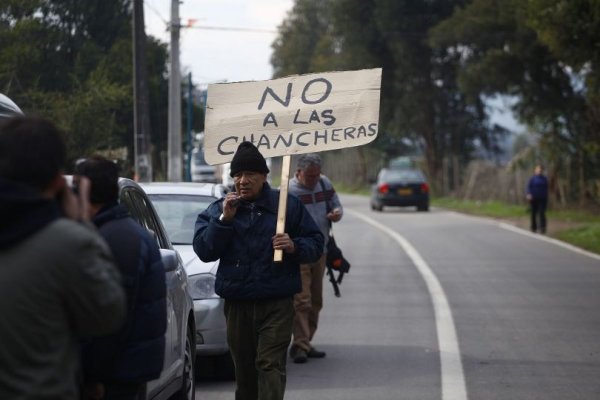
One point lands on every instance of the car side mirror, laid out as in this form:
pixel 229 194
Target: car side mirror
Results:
pixel 169 259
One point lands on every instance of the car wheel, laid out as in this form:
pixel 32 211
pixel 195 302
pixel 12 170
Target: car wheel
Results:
pixel 188 385
pixel 423 207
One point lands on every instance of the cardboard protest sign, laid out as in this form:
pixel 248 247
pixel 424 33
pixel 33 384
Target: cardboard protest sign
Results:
pixel 293 115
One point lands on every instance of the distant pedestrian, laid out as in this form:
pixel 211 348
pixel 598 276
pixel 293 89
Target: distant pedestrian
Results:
pixel 318 195
pixel 58 281
pixel 537 195
pixel 240 231
pixel 117 366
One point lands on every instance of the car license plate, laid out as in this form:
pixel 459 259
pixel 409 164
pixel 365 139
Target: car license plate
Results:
pixel 404 192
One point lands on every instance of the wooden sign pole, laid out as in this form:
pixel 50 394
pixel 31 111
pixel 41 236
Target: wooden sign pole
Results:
pixel 281 210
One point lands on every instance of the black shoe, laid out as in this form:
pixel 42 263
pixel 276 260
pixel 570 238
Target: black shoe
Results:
pixel 314 353
pixel 298 355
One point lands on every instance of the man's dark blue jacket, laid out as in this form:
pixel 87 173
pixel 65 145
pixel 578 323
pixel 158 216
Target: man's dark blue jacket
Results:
pixel 136 353
pixel 245 247
pixel 537 187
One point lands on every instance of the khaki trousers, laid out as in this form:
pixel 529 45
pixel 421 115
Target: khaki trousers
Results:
pixel 308 303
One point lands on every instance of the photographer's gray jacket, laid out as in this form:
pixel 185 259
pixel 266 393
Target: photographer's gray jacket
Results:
pixel 58 283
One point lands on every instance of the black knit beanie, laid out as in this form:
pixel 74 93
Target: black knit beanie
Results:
pixel 248 158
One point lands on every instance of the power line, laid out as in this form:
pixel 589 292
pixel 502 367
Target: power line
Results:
pixel 156 12
pixel 224 28
pixel 191 21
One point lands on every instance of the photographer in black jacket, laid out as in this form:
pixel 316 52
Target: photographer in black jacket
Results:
pixel 120 364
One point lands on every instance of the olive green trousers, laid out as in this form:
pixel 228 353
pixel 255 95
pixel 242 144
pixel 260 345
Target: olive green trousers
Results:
pixel 258 334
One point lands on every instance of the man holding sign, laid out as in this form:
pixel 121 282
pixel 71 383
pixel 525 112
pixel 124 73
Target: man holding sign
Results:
pixel 260 236
pixel 240 230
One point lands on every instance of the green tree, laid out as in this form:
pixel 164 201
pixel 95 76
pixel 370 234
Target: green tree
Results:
pixel 303 44
pixel 502 53
pixel 421 101
pixel 71 61
pixel 571 30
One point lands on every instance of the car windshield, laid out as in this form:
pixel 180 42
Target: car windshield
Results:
pixel 178 213
pixel 402 175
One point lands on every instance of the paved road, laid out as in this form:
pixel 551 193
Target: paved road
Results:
pixel 521 314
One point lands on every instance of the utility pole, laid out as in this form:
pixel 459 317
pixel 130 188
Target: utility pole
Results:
pixel 141 115
pixel 190 121
pixel 174 170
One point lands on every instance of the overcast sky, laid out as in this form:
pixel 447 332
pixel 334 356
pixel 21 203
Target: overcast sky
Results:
pixel 233 56
pixel 221 55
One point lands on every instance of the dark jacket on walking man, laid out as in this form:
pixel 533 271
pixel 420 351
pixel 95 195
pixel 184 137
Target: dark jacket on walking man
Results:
pixel 58 279
pixel 537 195
pixel 240 231
pixel 118 365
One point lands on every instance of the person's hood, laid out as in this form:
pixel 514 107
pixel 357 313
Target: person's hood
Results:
pixel 23 212
pixel 109 212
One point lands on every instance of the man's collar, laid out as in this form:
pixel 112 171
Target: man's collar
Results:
pixel 265 200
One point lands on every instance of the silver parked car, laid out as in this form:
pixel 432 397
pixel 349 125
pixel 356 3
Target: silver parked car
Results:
pixel 8 108
pixel 178 205
pixel 178 375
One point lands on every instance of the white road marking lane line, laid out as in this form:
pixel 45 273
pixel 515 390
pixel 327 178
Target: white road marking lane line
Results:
pixel 452 375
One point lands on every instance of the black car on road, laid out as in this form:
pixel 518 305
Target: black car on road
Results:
pixel 400 188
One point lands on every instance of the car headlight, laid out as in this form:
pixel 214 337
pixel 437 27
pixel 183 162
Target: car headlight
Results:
pixel 202 286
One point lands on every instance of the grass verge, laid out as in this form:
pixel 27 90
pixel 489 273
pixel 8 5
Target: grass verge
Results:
pixel 578 227
pixel 485 208
pixel 587 237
